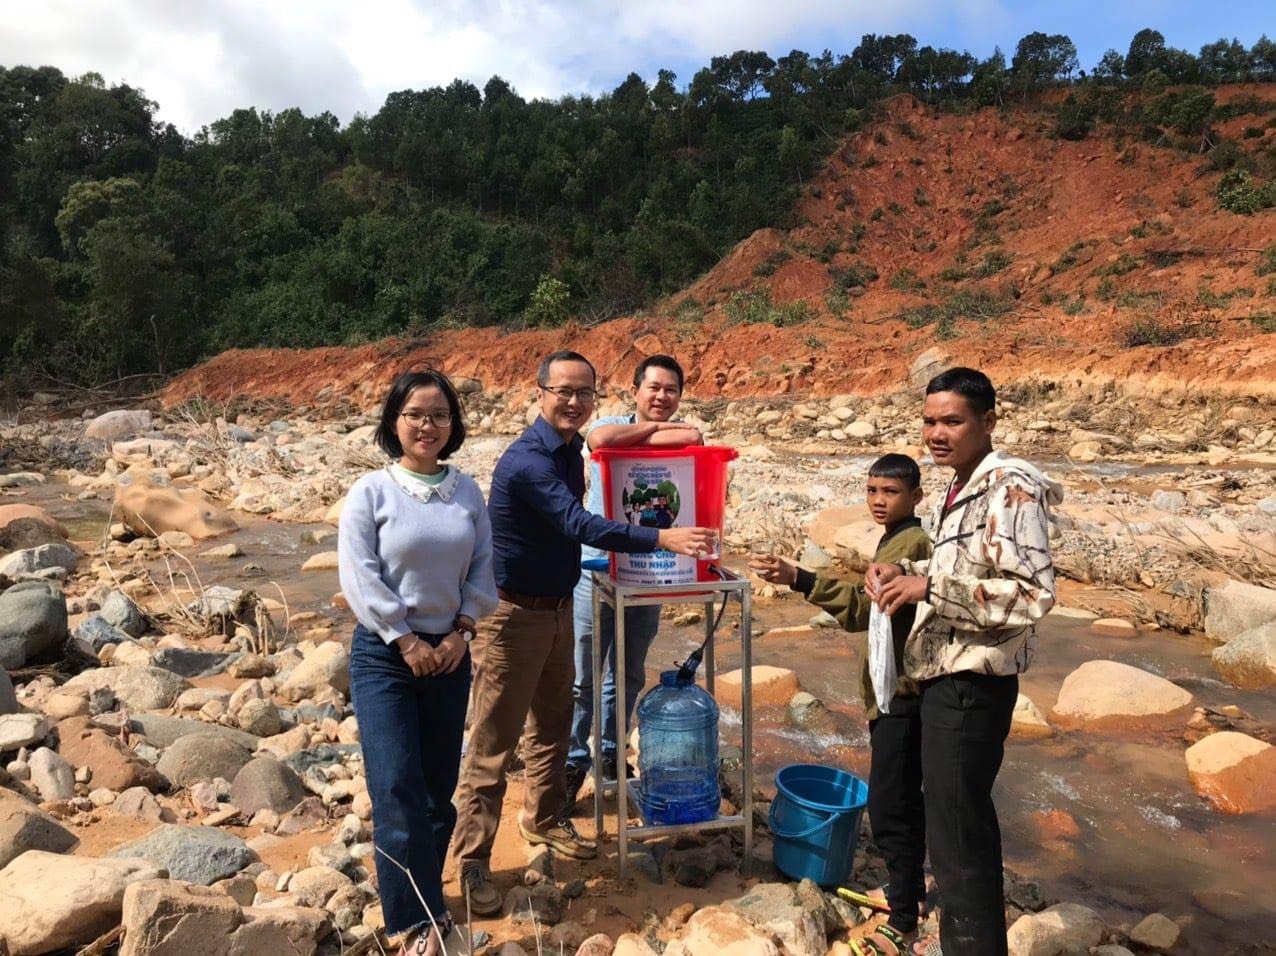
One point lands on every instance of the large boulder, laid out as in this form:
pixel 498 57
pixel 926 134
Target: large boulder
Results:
pixel 24 826
pixel 32 623
pixel 119 609
pixel 21 730
pixel 150 509
pixel 772 686
pixel 783 910
pixel 122 423
pixel 198 757
pixel 1235 772
pixel 266 784
pixel 192 662
pixel 44 557
pixel 717 931
pixel 27 526
pixel 1102 690
pixel 1060 930
pixel 200 855
pixel 138 688
pixel 1249 660
pixel 50 902
pixel 51 776
pixel 111 762
pixel 325 667
pixel 97 632
pixel 1237 607
pixel 163 731
pixel 8 696
pixel 166 918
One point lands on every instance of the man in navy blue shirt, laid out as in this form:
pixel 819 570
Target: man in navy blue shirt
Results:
pixel 523 659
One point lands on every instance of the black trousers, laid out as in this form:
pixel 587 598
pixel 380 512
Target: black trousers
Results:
pixel 965 721
pixel 896 809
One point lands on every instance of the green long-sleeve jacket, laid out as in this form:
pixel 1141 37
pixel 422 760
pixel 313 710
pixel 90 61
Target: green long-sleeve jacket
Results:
pixel 847 602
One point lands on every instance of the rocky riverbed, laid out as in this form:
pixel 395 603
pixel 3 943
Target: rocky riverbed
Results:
pixel 176 737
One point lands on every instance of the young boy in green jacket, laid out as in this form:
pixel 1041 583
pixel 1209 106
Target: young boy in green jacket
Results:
pixel 895 807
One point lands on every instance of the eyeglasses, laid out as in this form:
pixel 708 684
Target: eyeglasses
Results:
pixel 437 419
pixel 585 395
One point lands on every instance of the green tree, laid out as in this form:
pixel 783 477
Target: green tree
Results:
pixel 549 302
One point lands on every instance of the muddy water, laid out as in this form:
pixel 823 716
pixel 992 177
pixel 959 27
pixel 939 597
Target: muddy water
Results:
pixel 1104 819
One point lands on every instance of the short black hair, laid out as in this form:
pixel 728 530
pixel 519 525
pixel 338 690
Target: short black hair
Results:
pixel 666 362
pixel 562 355
pixel 970 383
pixel 387 434
pixel 900 467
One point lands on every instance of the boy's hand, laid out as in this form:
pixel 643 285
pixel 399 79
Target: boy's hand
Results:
pixel 774 569
pixel 877 575
pixel 900 590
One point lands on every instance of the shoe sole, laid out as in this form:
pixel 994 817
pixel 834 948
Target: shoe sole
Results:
pixel 575 851
pixel 478 908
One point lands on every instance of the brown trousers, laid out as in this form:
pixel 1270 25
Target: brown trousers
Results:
pixel 523 673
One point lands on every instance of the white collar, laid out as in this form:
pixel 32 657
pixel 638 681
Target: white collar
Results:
pixel 423 491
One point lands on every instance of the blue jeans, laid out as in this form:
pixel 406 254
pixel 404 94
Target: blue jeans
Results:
pixel 411 730
pixel 641 624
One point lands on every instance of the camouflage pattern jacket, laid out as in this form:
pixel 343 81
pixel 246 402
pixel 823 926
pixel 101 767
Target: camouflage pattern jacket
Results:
pixel 990 578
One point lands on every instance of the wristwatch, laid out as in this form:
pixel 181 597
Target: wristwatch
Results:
pixel 465 627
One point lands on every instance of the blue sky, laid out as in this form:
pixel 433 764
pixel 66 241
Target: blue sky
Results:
pixel 202 58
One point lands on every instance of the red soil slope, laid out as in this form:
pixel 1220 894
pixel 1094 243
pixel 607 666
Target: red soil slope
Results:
pixel 1098 234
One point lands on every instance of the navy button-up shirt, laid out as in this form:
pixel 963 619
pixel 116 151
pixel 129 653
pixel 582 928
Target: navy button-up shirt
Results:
pixel 538 521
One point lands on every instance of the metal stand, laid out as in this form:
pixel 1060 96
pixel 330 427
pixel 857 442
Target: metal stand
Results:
pixel 620 597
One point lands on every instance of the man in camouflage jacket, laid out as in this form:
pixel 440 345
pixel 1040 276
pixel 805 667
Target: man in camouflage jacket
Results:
pixel 979 596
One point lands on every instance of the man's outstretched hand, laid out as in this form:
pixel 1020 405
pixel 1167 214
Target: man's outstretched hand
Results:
pixel 693 542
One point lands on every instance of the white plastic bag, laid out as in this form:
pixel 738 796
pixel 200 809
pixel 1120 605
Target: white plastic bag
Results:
pixel 881 657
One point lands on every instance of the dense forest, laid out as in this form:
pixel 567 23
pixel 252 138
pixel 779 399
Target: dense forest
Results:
pixel 127 248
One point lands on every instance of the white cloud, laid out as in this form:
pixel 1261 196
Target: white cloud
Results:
pixel 200 60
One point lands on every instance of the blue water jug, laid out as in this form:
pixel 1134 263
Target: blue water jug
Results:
pixel 678 753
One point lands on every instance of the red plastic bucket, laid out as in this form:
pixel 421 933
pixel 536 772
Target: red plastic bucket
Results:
pixel 677 487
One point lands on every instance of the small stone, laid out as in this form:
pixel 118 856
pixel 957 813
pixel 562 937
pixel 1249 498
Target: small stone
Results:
pixel 51 775
pixel 1113 627
pixel 1156 932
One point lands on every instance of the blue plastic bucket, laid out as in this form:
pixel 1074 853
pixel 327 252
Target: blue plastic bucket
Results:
pixel 815 818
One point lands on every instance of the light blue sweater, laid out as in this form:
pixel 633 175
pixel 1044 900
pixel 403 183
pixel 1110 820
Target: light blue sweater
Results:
pixel 410 565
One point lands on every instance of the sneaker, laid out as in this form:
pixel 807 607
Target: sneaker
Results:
pixel 562 837
pixel 575 780
pixel 477 886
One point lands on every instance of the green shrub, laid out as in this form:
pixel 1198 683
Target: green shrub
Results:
pixel 1105 291
pixel 979 304
pixel 854 276
pixel 772 262
pixel 993 263
pixel 879 137
pixel 1227 154
pixel 837 302
pixel 1153 331
pixel 1069 260
pixel 755 307
pixel 1267 262
pixel 1123 265
pixel 920 198
pixel 876 214
pixel 548 305
pixel 906 280
pixel 1239 193
pixel 895 207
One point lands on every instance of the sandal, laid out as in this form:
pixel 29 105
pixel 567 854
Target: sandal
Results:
pixel 894 939
pixel 927 947
pixel 863 899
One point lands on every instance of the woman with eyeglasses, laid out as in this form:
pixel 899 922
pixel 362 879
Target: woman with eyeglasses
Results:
pixel 415 548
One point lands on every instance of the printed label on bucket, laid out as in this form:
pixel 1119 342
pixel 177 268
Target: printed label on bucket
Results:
pixel 654 493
